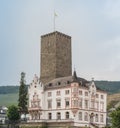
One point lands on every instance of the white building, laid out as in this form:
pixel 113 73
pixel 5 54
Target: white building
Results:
pixel 3 114
pixel 70 100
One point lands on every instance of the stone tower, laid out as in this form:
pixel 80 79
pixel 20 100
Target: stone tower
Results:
pixel 55 56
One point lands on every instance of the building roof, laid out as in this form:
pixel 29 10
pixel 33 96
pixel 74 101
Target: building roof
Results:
pixel 65 81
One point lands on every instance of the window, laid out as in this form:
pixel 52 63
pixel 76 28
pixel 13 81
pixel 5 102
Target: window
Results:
pixel 92 117
pixel 97 105
pixel 67 103
pixel 102 96
pixel 80 103
pixel 49 94
pixel 75 89
pixel 101 118
pixel 80 92
pixel 86 93
pixel 49 116
pixel 80 115
pixel 102 106
pixel 67 115
pixel 49 104
pixel 96 118
pixel 66 92
pixel 75 103
pixel 86 103
pixel 58 103
pixel 86 116
pixel 92 104
pixel 97 96
pixel 58 93
pixel 58 115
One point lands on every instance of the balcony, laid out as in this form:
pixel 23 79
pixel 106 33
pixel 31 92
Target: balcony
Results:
pixel 34 108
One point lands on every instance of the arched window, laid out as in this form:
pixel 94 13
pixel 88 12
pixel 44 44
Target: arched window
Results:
pixel 86 116
pixel 80 116
pixel 96 118
pixel 49 116
pixel 101 118
pixel 67 115
pixel 80 103
pixel 58 115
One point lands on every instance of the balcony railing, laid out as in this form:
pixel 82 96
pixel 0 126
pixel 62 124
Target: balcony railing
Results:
pixel 34 108
pixel 52 120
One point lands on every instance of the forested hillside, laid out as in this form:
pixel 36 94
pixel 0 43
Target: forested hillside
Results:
pixel 9 94
pixel 109 86
pixel 9 89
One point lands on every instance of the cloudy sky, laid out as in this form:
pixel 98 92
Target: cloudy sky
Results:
pixel 93 24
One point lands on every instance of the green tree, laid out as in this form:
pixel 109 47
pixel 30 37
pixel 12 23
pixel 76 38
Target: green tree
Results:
pixel 13 114
pixel 22 101
pixel 115 118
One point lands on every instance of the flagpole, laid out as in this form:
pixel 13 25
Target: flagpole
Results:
pixel 54 15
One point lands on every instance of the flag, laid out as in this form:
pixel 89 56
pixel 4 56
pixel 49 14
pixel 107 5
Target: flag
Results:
pixel 55 14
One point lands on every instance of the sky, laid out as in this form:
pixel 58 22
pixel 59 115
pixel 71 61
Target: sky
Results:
pixel 94 26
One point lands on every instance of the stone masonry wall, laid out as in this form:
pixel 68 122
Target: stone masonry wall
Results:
pixel 55 56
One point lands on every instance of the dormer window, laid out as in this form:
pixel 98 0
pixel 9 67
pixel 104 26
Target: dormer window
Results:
pixel 68 82
pixel 50 84
pixel 59 83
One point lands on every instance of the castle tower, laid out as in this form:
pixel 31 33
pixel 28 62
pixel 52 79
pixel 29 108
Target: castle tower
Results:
pixel 55 56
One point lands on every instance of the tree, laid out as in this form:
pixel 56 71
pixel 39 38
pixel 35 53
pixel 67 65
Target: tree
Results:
pixel 115 118
pixel 22 101
pixel 13 114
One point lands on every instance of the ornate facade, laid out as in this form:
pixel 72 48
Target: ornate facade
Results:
pixel 70 100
